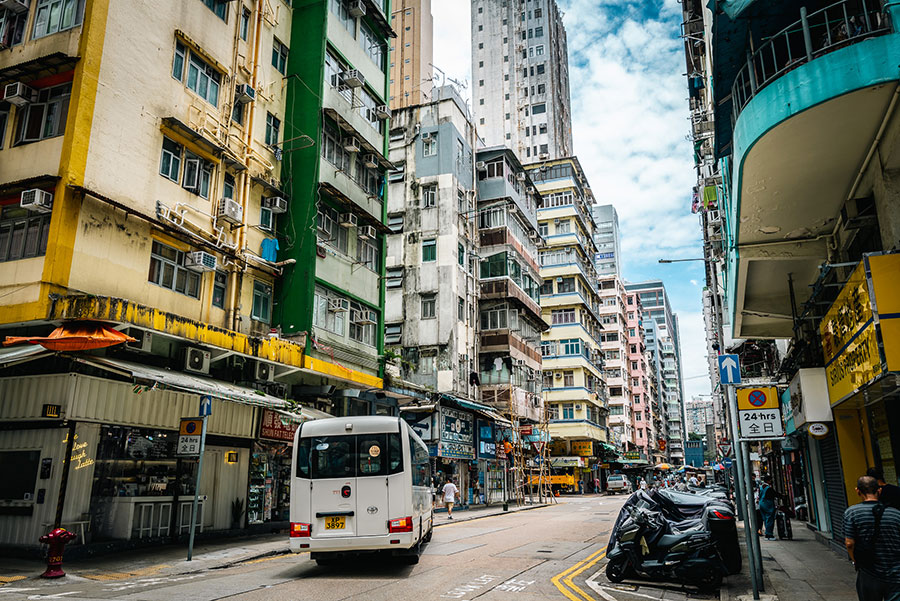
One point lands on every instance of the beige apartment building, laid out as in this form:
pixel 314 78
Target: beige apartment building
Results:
pixel 411 53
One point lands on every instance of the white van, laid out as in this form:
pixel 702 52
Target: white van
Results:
pixel 360 484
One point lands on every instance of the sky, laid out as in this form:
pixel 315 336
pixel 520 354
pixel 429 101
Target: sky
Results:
pixel 630 126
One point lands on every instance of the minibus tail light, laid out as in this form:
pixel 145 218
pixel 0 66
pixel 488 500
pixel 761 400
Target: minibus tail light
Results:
pixel 401 525
pixel 299 529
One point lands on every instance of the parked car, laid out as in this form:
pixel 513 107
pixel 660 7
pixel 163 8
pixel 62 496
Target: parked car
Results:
pixel 617 483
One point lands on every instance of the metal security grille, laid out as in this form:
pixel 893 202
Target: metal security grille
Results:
pixel 834 485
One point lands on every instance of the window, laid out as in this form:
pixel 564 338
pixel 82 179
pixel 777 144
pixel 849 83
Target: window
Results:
pixel 568 410
pixel 461 254
pixel 262 302
pixel 564 226
pixel 429 196
pixel 429 250
pixel 538 13
pixel 537 109
pixel 170 162
pixel 342 12
pixel 427 363
pixel 4 117
pixel 543 128
pixel 540 68
pixel 279 56
pixel 429 146
pixel 52 16
pixel 368 253
pixel 219 7
pixel 539 50
pixel 220 285
pixel 245 23
pixel 538 33
pixel 202 78
pixel 562 316
pixel 571 346
pixel 360 329
pixel 197 175
pixel 329 230
pixel 167 270
pixel 45 118
pixel 461 309
pixel 237 113
pixel 266 221
pixel 542 88
pixel 429 302
pixel 22 234
pixel 372 45
pixel 494 318
pixel 273 125
pixel 566 286
pixel 12 27
pixel 329 311
pixel 547 288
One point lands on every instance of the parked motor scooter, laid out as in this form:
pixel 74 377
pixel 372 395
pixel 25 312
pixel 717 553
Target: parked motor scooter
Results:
pixel 644 544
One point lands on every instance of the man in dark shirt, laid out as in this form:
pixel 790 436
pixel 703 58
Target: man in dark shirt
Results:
pixel 879 578
pixel 890 494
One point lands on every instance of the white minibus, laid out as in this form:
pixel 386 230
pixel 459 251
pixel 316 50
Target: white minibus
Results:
pixel 360 484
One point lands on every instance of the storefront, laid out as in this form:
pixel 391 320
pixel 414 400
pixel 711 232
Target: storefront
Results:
pixel 491 485
pixel 269 492
pixel 123 480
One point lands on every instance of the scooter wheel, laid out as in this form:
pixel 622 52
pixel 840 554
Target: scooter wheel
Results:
pixel 617 569
pixel 710 579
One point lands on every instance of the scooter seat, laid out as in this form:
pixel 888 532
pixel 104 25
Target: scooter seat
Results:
pixel 667 541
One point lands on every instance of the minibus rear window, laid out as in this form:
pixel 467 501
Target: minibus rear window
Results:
pixel 349 456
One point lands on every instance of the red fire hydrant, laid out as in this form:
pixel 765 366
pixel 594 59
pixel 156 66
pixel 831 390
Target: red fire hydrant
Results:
pixel 57 540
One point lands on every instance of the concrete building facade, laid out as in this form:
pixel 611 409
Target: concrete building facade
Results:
pixel 411 53
pixel 614 338
pixel 573 378
pixel 644 405
pixel 509 311
pixel 698 413
pixel 432 280
pixel 520 78
pixel 608 259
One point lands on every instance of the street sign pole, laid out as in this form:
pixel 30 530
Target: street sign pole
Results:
pixel 752 528
pixel 743 488
pixel 197 489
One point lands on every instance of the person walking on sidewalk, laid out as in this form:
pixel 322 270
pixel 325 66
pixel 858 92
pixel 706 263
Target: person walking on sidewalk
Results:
pixel 451 493
pixel 872 538
pixel 767 496
pixel 888 493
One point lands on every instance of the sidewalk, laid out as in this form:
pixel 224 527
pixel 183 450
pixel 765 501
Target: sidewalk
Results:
pixel 802 569
pixel 170 560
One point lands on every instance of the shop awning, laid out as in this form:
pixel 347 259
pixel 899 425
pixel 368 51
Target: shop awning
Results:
pixel 21 354
pixel 75 336
pixel 189 383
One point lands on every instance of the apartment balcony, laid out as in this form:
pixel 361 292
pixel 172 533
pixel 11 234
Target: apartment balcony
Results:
pixel 506 288
pixel 798 118
pixel 507 341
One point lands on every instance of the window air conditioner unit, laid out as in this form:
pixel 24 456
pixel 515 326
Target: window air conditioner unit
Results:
pixel 244 93
pixel 543 156
pixel 196 360
pixel 276 204
pixel 349 220
pixel 559 280
pixel 481 166
pixel 558 375
pixel 365 318
pixel 356 8
pixel 19 94
pixel 382 111
pixel 16 6
pixel 36 200
pixel 200 261
pixel 556 221
pixel 143 340
pixel 231 211
pixel 518 362
pixel 578 407
pixel 520 177
pixel 370 161
pixel 353 78
pixel 569 250
pixel 338 305
pixel 351 144
pixel 264 372
pixel 367 231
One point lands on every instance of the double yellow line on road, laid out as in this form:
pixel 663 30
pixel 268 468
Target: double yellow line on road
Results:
pixel 564 578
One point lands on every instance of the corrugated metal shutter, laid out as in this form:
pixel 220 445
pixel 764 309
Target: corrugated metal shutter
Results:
pixel 834 485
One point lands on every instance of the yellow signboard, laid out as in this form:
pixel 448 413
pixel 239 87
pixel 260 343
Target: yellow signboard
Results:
pixel 886 284
pixel 851 327
pixel 849 313
pixel 763 397
pixel 582 448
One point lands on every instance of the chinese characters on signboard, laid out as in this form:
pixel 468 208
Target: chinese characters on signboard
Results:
pixel 273 428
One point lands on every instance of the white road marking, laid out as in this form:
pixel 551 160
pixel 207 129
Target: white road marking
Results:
pixel 6 589
pixel 599 589
pixel 56 596
pixel 474 585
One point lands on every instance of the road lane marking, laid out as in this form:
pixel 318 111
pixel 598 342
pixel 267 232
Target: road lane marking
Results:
pixel 561 587
pixel 572 585
pixel 598 588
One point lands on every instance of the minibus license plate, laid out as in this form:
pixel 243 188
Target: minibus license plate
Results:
pixel 334 523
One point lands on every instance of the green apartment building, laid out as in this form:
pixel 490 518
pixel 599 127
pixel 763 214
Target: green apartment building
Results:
pixel 334 164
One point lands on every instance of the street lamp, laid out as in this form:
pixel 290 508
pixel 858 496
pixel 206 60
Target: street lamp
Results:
pixel 664 261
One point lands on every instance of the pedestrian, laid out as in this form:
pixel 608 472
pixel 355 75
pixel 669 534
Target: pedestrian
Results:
pixel 451 493
pixel 643 484
pixel 693 480
pixel 597 485
pixel 872 538
pixel 888 493
pixel 767 496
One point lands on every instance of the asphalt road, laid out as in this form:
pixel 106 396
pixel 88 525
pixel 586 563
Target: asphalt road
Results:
pixel 555 552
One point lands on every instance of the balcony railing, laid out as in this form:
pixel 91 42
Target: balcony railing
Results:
pixel 813 35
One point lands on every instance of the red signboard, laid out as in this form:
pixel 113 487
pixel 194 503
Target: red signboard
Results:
pixel 273 428
pixel 525 430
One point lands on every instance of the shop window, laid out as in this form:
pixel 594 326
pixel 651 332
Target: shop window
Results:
pixel 18 472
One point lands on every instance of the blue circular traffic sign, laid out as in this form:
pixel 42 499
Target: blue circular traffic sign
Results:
pixel 190 427
pixel 757 398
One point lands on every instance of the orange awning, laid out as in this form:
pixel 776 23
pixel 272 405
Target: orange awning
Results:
pixel 75 336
